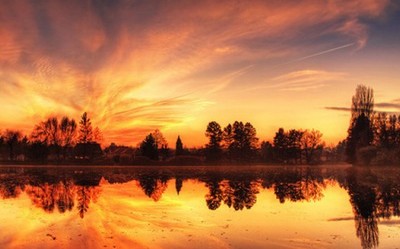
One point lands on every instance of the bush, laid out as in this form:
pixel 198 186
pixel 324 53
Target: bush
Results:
pixel 366 154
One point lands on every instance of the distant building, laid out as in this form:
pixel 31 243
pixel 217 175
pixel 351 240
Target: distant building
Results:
pixel 120 154
pixel 87 151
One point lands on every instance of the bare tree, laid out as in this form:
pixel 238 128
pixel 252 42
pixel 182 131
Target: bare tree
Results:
pixel 311 143
pixel 362 102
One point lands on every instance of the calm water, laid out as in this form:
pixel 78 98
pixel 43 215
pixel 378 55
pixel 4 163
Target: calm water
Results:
pixel 199 207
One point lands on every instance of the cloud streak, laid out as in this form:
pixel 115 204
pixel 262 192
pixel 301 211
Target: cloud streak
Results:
pixel 127 62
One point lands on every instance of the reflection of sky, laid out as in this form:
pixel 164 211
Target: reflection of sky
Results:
pixel 123 216
pixel 175 66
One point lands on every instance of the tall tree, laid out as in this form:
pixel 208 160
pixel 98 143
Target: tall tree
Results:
pixel 68 134
pixel 48 131
pixel 267 152
pixel 294 145
pixel 228 136
pixel 97 135
pixel 179 147
pixel 12 138
pixel 85 129
pixel 362 102
pixel 360 135
pixel 57 135
pixel 215 136
pixel 311 144
pixel 68 131
pixel 280 146
pixel 159 139
pixel 360 132
pixel 149 148
pixel 244 142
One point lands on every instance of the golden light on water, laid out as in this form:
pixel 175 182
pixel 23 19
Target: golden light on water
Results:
pixel 121 215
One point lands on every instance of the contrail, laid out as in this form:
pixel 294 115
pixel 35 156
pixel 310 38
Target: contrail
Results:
pixel 318 54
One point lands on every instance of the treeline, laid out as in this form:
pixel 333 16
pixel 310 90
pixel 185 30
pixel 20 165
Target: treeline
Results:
pixel 53 140
pixel 373 137
pixel 239 143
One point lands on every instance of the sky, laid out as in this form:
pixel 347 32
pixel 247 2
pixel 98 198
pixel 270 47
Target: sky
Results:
pixel 137 66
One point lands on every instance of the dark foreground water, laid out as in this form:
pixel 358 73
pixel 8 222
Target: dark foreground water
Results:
pixel 199 207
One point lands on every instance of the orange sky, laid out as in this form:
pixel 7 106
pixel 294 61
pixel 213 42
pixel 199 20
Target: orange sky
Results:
pixel 175 66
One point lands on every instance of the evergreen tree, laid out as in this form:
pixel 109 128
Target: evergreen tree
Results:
pixel 149 148
pixel 244 142
pixel 214 147
pixel 280 146
pixel 179 147
pixel 85 129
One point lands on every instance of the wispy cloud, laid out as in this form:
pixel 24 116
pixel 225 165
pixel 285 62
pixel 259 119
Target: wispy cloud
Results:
pixel 336 108
pixel 301 80
pixel 127 62
pixel 394 104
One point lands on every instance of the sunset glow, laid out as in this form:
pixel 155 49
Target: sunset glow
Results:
pixel 176 65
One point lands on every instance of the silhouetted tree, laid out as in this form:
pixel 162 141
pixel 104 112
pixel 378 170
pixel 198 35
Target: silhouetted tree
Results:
pixel 214 147
pixel 97 135
pixel 38 151
pixel 267 152
pixel 243 141
pixel 58 135
pixel 228 135
pixel 294 145
pixel 149 148
pixel 335 154
pixel 159 139
pixel 68 134
pixel 360 133
pixel 12 138
pixel 281 145
pixel 362 102
pixel 164 152
pixel 85 129
pixel 312 146
pixel 179 147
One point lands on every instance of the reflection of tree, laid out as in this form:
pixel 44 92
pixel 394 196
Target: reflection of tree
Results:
pixel 86 194
pixel 178 184
pixel 363 200
pixel 10 188
pixel 153 186
pixel 61 196
pixel 215 195
pixel 389 199
pixel 48 196
pixel 299 185
pixel 240 194
pixel 42 196
pixel 65 196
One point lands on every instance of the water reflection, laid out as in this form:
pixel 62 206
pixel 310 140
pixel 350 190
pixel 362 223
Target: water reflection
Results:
pixel 374 194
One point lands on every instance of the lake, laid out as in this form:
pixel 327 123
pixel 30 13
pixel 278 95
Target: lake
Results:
pixel 199 207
